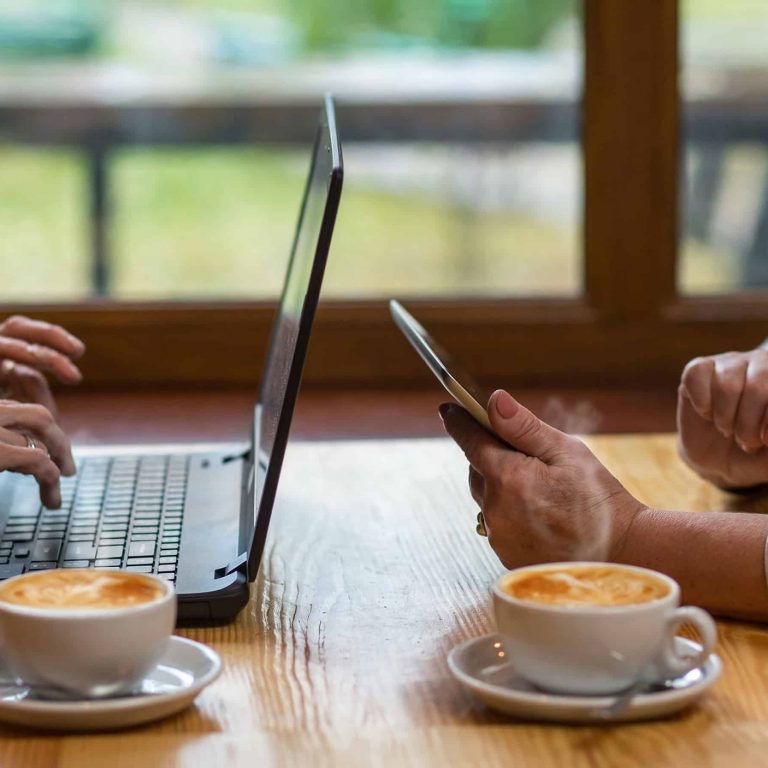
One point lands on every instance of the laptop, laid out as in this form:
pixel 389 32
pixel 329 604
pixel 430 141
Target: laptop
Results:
pixel 195 515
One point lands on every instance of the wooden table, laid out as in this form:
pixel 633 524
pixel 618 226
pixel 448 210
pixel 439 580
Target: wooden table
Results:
pixel 372 573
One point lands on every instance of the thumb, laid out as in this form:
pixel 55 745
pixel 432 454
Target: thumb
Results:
pixel 522 429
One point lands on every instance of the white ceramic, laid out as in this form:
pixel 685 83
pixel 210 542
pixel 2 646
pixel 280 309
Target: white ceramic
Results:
pixel 183 670
pixel 88 652
pixel 482 668
pixel 587 649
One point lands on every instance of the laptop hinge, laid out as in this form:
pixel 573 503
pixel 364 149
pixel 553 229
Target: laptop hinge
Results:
pixel 240 563
pixel 246 454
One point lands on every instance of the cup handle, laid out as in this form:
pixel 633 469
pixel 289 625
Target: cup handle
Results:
pixel 672 662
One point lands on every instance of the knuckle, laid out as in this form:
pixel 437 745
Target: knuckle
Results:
pixel 27 374
pixel 40 413
pixel 510 481
pixel 728 386
pixel 696 369
pixel 754 392
pixel 14 323
pixel 47 471
pixel 528 427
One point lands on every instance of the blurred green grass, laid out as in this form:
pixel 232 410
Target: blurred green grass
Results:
pixel 218 223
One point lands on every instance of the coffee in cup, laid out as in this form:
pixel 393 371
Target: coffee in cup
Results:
pixel 595 628
pixel 600 584
pixel 67 589
pixel 88 632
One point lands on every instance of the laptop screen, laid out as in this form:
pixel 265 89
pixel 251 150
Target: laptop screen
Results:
pixel 290 333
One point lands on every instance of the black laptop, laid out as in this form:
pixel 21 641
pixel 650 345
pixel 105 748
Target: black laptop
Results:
pixel 195 515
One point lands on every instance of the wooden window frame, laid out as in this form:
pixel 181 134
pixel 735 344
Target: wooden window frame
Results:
pixel 630 325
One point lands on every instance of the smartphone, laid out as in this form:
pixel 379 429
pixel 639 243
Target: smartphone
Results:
pixel 458 384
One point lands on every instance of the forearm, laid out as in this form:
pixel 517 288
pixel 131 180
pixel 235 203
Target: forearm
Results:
pixel 718 558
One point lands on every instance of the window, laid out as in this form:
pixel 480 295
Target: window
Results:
pixel 190 204
pixel 528 268
pixel 724 83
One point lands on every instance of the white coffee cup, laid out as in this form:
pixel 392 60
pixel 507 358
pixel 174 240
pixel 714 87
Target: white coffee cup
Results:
pixel 89 652
pixel 598 649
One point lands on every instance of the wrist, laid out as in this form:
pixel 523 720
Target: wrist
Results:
pixel 625 519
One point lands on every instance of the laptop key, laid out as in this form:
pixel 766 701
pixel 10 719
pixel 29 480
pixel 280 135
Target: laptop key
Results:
pixel 46 549
pixel 142 549
pixel 140 561
pixel 112 562
pixel 139 568
pixel 114 527
pixel 26 536
pixel 11 569
pixel 109 552
pixel 41 566
pixel 79 551
pixel 19 529
pixel 76 564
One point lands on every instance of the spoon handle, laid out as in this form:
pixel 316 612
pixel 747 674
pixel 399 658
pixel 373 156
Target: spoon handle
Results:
pixel 622 700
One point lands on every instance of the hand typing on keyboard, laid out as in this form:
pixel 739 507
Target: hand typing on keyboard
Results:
pixel 30 349
pixel 31 442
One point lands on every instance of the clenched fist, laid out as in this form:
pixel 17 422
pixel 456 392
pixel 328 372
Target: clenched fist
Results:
pixel 722 415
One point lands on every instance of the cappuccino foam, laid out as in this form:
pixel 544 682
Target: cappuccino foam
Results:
pixel 601 585
pixel 81 589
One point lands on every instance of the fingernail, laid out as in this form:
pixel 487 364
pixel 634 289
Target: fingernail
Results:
pixel 505 405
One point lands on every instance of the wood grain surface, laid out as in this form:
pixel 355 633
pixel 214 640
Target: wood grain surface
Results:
pixel 371 574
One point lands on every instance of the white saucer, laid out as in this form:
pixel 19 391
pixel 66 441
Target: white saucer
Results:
pixel 185 668
pixel 481 667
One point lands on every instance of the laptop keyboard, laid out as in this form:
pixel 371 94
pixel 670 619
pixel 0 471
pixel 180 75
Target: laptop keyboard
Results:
pixel 123 512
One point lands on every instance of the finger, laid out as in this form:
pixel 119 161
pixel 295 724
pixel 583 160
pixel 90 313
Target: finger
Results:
pixel 696 380
pixel 27 385
pixel 10 437
pixel 483 451
pixel 523 430
pixel 46 334
pixel 42 358
pixel 727 387
pixel 476 485
pixel 750 415
pixel 39 422
pixel 30 461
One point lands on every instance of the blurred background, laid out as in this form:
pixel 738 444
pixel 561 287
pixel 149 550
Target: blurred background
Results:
pixel 425 217
pixel 133 219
